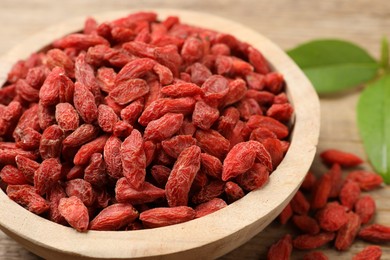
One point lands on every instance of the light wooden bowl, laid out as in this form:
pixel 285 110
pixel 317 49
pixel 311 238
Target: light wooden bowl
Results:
pixel 204 238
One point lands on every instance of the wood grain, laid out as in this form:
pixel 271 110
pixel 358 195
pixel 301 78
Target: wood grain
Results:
pixel 285 22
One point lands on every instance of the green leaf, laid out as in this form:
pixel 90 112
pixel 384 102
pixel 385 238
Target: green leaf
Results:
pixel 374 124
pixel 384 53
pixel 334 65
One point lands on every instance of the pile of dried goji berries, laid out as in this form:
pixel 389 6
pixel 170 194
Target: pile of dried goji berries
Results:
pixel 332 208
pixel 139 123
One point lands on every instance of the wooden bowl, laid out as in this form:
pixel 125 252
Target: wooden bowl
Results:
pixel 204 238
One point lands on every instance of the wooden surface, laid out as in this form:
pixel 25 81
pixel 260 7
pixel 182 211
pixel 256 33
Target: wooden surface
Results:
pixel 285 22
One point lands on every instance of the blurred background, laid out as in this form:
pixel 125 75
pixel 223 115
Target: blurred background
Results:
pixel 285 22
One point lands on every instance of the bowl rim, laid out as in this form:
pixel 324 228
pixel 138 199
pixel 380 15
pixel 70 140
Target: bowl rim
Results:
pixel 212 235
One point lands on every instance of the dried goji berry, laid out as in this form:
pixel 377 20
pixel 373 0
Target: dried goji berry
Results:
pixel 254 178
pixel 132 111
pixel 281 112
pixel 112 157
pixel 12 175
pixel 164 127
pixel 159 217
pixel 337 180
pixel 332 156
pixel 126 193
pixel 299 204
pixel 239 160
pixel 182 176
pixel 81 189
pixel 237 90
pixel 208 192
pixel 346 235
pixel 95 172
pixel 9 116
pixel 349 194
pixel 307 242
pixel 27 167
pixel 306 224
pixel 67 117
pixel 74 212
pixel 47 175
pixel 365 207
pixel 315 255
pixel 332 217
pixel 26 91
pixel 233 191
pixel 106 118
pixel 309 181
pixel 286 214
pixel 26 196
pixel 85 75
pixel 274 125
pixel 84 153
pixel 129 90
pixel 209 207
pixel 204 115
pixel 212 142
pixel 162 106
pixel 134 159
pixel 321 193
pixel 375 233
pixel 79 41
pixel 175 145
pixel 81 135
pixel 114 217
pixel 367 180
pixel 8 155
pixel 58 58
pixel 84 102
pixel 54 195
pixel 282 249
pixel 369 252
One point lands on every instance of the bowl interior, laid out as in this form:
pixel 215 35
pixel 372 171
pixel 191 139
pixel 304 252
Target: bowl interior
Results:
pixel 210 236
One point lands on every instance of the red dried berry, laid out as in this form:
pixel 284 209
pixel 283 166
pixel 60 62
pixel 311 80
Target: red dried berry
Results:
pixel 332 217
pixel 375 233
pixel 307 242
pixel 367 180
pixel 81 189
pixel 182 176
pixel 349 194
pixel 369 252
pixel 209 207
pixel 164 127
pixel 233 192
pixel 365 207
pixel 26 196
pixel 12 175
pixel 346 235
pixel 67 117
pixel 74 212
pixel 126 193
pixel 47 175
pixel 306 224
pixel 114 217
pixel 315 255
pixel 282 249
pixel 159 217
pixel 332 156
pixel 286 214
pixel 134 159
pixel 299 204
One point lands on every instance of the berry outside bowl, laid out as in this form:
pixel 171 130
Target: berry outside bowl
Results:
pixel 208 237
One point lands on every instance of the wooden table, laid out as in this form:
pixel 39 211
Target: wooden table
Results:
pixel 287 23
